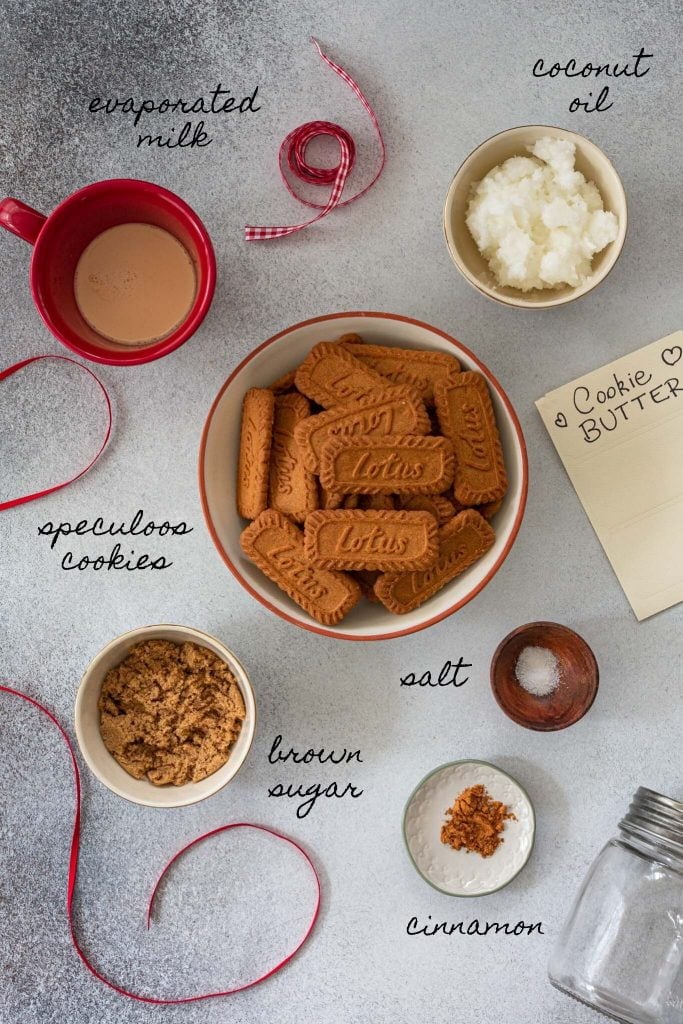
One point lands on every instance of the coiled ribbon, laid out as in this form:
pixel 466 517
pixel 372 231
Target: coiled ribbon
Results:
pixel 73 871
pixel 8 372
pixel 293 154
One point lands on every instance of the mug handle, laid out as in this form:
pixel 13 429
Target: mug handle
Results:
pixel 21 220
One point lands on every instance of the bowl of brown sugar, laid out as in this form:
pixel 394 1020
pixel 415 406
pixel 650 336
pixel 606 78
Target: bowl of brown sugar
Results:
pixel 165 715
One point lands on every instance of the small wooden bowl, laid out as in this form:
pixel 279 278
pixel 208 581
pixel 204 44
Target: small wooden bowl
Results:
pixel 578 684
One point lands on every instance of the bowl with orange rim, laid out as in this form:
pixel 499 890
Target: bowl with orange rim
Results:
pixel 219 452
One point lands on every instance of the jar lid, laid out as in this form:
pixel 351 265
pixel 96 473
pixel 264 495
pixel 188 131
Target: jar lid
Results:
pixel 656 816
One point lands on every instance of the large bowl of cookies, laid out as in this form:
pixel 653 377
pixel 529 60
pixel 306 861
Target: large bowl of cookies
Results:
pixel 363 475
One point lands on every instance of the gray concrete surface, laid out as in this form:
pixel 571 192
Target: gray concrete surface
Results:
pixel 442 76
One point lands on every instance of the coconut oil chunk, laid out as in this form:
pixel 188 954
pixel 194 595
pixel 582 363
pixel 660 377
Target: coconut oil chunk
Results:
pixel 537 221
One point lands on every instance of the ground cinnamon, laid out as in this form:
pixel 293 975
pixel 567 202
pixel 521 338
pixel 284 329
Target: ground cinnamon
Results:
pixel 476 822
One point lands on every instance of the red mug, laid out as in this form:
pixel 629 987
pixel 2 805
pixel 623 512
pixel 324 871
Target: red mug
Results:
pixel 59 239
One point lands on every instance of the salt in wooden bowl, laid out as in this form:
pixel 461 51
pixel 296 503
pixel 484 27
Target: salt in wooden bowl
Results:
pixel 577 688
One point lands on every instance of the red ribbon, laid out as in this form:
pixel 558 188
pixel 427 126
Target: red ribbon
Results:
pixel 57 487
pixel 73 870
pixel 293 150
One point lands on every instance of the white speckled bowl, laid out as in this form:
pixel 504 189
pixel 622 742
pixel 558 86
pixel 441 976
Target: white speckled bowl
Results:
pixel 101 762
pixel 457 872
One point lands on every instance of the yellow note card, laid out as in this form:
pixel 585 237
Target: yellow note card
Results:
pixel 619 433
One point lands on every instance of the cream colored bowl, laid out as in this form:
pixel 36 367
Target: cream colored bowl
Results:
pixel 101 762
pixel 592 163
pixel 218 470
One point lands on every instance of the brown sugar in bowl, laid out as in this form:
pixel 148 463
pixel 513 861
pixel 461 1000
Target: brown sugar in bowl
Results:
pixel 103 764
pixel 577 688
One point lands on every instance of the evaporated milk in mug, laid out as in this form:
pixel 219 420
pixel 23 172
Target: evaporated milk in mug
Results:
pixel 135 283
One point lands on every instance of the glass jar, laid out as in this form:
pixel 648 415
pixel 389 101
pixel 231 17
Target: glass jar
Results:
pixel 621 950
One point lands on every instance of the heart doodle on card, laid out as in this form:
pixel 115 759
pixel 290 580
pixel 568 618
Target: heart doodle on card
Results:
pixel 560 420
pixel 672 355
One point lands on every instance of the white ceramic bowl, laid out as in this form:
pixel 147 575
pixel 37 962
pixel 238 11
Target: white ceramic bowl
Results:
pixel 218 467
pixel 101 762
pixel 593 164
pixel 457 872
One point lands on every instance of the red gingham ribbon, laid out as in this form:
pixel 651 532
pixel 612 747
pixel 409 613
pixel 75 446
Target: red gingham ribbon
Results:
pixel 293 151
pixel 12 502
pixel 73 871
